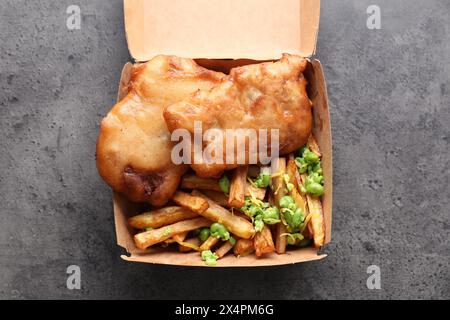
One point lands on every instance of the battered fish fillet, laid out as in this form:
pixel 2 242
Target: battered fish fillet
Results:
pixel 260 96
pixel 134 147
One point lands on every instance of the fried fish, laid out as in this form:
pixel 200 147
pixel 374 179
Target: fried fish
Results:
pixel 268 96
pixel 134 146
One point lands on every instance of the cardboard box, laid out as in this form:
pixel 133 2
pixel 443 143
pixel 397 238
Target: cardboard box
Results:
pixel 221 35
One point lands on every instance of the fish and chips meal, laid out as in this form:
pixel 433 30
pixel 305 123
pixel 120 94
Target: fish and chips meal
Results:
pixel 260 196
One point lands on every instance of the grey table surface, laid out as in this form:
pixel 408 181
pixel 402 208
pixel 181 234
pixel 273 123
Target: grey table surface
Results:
pixel 389 94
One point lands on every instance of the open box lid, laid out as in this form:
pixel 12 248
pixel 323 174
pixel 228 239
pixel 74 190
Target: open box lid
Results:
pixel 218 29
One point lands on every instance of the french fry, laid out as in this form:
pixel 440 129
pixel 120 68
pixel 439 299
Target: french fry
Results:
pixel 264 242
pixel 280 238
pixel 307 233
pixel 180 237
pixel 224 249
pixel 243 247
pixel 209 243
pixel 167 242
pixel 242 215
pixel 277 180
pixel 317 225
pixel 238 183
pixel 270 199
pixel 146 239
pixel 317 222
pixel 161 217
pixel 218 197
pixel 278 186
pixel 189 245
pixel 297 180
pixel 235 224
pixel 193 203
pixel 314 146
pixel 176 238
pixel 191 181
pixel 255 192
pixel 310 230
pixel 299 199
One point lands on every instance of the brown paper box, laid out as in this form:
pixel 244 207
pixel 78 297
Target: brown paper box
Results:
pixel 221 35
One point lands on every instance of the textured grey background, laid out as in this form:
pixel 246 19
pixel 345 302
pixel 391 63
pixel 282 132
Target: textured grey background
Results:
pixel 389 93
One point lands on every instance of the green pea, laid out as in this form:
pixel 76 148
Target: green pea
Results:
pixel 255 210
pixel 314 188
pixel 317 168
pixel 293 218
pixel 286 201
pixel 265 205
pixel 290 241
pixel 270 215
pixel 245 209
pixel 311 157
pixel 299 161
pixel 302 188
pixel 263 180
pixel 209 257
pixel 259 224
pixel 301 164
pixel 271 221
pixel 218 230
pixel 298 217
pixel 203 234
pixel 294 238
pixel 302 150
pixel 287 215
pixel 315 177
pixel 224 184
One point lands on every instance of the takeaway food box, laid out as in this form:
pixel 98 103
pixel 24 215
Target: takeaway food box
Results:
pixel 221 35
